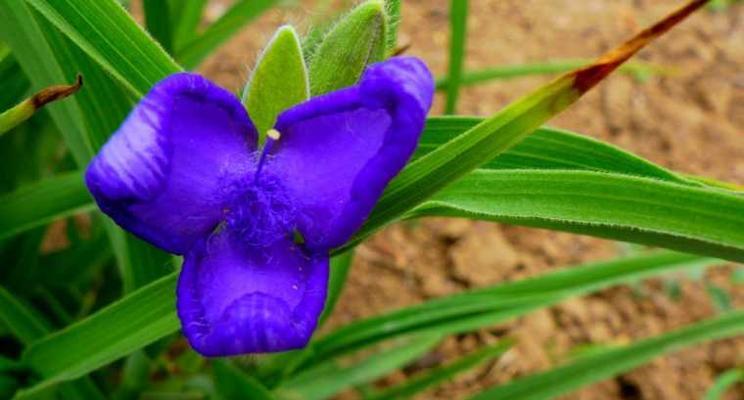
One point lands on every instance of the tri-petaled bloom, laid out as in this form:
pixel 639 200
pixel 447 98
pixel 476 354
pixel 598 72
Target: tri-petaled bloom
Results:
pixel 185 172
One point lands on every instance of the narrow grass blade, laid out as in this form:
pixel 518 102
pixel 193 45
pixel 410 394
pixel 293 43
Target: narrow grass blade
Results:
pixel 195 51
pixel 42 202
pixel 232 383
pixel 549 148
pixel 187 22
pixel 15 83
pixel 427 175
pixel 467 311
pixel 439 375
pixel 458 35
pixel 621 207
pixel 109 35
pixel 131 323
pixel 28 326
pixel 158 22
pixel 638 69
pixel 723 383
pixel 20 319
pixel 325 380
pixel 595 368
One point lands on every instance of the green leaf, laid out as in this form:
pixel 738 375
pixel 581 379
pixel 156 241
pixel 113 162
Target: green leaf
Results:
pixel 42 202
pixel 109 35
pixel 187 17
pixel 133 322
pixel 430 173
pixel 193 52
pixel 356 41
pixel 594 368
pixel 22 320
pixel 278 82
pixel 549 148
pixel 620 207
pixel 327 379
pixel 458 35
pixel 637 69
pixel 15 83
pixel 28 326
pixel 158 22
pixel 468 311
pixel 723 382
pixel 232 383
pixel 417 384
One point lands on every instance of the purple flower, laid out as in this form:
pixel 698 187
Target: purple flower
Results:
pixel 185 173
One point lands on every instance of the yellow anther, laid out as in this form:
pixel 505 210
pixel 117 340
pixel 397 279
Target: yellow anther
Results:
pixel 273 134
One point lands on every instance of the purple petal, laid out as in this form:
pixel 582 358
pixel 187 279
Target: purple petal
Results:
pixel 338 152
pixel 163 175
pixel 235 298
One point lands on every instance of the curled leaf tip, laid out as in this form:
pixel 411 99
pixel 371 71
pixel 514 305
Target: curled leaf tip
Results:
pixel 587 77
pixel 56 92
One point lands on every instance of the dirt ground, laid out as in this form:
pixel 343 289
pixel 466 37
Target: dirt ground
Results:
pixel 692 121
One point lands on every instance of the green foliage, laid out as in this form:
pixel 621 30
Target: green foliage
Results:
pixel 594 368
pixel 73 313
pixel 600 204
pixel 636 69
pixel 278 81
pixel 723 383
pixel 441 374
pixel 106 33
pixel 326 379
pixel 458 34
pixel 355 41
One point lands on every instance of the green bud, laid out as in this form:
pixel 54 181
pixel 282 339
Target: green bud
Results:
pixel 357 40
pixel 278 82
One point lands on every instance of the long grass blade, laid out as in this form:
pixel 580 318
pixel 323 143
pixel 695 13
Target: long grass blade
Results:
pixel 427 175
pixel 621 207
pixel 42 202
pixel 594 368
pixel 458 35
pixel 131 323
pixel 158 22
pixel 327 379
pixel 187 21
pixel 417 384
pixel 637 69
pixel 549 148
pixel 467 311
pixel 723 383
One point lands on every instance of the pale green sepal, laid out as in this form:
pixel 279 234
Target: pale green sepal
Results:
pixel 278 82
pixel 356 41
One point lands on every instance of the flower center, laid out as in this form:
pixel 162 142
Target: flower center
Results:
pixel 261 213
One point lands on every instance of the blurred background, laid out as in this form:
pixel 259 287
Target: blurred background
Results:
pixel 690 119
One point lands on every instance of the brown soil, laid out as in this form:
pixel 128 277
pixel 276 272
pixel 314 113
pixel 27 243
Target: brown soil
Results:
pixel 691 122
